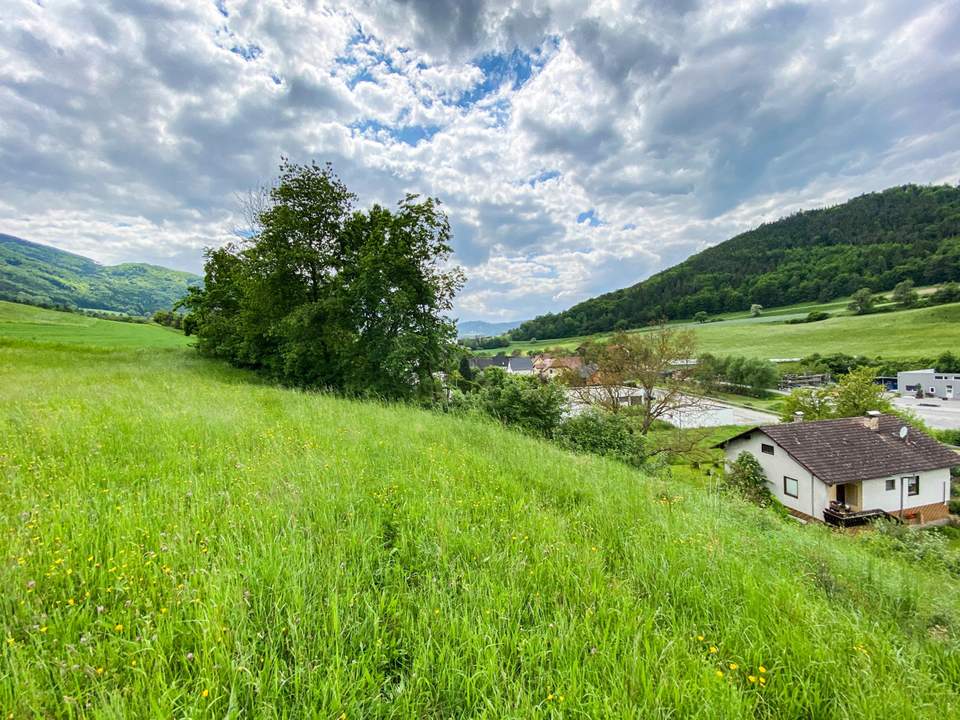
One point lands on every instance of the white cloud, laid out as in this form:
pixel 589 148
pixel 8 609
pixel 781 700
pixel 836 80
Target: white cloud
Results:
pixel 127 128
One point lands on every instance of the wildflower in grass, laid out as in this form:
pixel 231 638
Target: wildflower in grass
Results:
pixel 43 628
pixel 763 680
pixel 10 641
pixel 752 678
pixel 713 650
pixel 118 627
pixel 71 601
pixel 100 671
pixel 762 669
pixel 719 673
pixel 700 638
pixel 205 693
pixel 733 666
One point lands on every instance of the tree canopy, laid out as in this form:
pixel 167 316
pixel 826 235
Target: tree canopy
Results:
pixel 324 295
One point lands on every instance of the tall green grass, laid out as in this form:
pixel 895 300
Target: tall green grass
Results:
pixel 182 541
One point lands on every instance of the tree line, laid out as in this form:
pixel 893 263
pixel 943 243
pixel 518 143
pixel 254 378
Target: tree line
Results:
pixel 873 241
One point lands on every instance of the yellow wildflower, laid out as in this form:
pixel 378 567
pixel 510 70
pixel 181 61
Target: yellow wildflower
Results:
pixel 719 673
pixel 763 680
pixel 752 678
pixel 205 693
pixel 713 649
pixel 43 629
pixel 762 669
pixel 700 638
pixel 118 627
pixel 733 666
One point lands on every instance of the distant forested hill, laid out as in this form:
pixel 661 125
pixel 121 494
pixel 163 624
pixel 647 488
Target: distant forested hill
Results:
pixel 475 328
pixel 42 275
pixel 874 241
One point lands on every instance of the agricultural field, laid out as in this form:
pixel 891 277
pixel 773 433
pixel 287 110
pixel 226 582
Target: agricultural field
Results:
pixel 921 332
pixel 181 540
pixel 28 323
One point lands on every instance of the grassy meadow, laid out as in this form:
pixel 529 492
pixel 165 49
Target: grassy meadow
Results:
pixel 25 322
pixel 180 540
pixel 923 332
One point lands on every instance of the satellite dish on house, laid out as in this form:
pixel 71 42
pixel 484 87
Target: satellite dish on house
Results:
pixel 903 432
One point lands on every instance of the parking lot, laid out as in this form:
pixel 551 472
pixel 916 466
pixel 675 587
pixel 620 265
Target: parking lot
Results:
pixel 939 414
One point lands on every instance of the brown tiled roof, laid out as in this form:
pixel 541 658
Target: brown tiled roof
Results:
pixel 846 450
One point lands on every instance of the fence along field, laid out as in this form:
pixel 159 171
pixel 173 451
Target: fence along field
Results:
pixel 182 540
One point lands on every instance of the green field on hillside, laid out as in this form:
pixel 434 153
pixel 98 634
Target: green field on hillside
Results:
pixel 183 541
pixel 25 322
pixel 923 332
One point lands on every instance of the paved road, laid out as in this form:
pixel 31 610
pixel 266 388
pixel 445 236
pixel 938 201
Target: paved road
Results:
pixel 939 414
pixel 715 413
pixel 710 413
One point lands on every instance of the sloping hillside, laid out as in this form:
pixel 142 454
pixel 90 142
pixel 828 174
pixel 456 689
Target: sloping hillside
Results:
pixel 873 241
pixel 182 541
pixel 39 274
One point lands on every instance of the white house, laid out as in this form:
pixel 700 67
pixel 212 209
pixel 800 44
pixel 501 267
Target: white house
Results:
pixel 851 470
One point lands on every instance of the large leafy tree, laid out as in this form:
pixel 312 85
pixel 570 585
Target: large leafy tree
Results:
pixel 323 295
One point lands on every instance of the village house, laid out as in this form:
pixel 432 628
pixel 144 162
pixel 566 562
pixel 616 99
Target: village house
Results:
pixel 551 368
pixel 929 383
pixel 515 365
pixel 852 470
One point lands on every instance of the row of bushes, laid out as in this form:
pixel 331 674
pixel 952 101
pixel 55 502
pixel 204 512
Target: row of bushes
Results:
pixel 537 408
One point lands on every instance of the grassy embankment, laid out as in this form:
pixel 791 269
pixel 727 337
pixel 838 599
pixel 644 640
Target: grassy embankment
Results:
pixel 181 540
pixel 922 332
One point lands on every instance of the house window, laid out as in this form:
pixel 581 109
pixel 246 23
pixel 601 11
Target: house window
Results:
pixel 891 484
pixel 933 391
pixel 768 449
pixel 913 484
pixel 938 377
pixel 791 486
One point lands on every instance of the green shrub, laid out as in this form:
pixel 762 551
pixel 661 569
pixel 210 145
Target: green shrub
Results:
pixel 927 547
pixel 522 401
pixel 602 433
pixel 815 316
pixel 747 479
pixel 954 506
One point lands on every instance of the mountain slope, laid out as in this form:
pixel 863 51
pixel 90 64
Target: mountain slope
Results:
pixel 39 274
pixel 181 540
pixel 478 328
pixel 874 241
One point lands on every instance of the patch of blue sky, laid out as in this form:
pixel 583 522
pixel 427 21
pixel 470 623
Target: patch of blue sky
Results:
pixel 543 177
pixel 407 134
pixel 222 7
pixel 630 226
pixel 513 68
pixel 248 52
pixel 589 217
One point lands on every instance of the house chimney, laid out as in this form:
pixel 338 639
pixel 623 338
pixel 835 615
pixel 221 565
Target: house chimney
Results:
pixel 873 420
pixel 798 416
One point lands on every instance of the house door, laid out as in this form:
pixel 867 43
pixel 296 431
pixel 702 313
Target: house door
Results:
pixel 949 392
pixel 842 494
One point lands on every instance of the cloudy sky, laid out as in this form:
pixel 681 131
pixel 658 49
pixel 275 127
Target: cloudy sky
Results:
pixel 578 147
